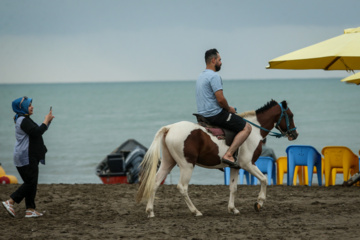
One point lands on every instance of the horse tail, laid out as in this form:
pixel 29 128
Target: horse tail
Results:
pixel 149 166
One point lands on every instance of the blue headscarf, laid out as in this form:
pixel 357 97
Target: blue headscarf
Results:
pixel 21 107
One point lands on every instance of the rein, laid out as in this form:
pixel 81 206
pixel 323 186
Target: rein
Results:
pixel 275 134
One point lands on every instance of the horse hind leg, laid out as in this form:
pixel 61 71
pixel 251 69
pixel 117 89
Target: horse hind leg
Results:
pixel 166 165
pixel 185 175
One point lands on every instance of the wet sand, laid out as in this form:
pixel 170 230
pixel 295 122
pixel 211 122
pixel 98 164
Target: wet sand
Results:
pixel 96 211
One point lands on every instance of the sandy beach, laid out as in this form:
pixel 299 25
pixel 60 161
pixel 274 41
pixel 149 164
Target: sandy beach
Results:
pixel 96 211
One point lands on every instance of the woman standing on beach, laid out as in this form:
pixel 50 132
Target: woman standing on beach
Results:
pixel 28 152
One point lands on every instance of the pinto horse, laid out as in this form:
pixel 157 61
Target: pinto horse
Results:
pixel 188 144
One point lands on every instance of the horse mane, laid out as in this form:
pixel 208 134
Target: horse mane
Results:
pixel 247 114
pixel 264 108
pixel 267 106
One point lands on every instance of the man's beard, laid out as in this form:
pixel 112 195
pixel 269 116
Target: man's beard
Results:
pixel 217 68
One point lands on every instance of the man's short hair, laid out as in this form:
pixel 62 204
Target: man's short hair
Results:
pixel 210 54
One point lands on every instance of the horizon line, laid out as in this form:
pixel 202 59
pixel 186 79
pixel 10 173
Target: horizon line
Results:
pixel 178 80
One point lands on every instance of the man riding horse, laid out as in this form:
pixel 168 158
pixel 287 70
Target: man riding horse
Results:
pixel 186 144
pixel 213 106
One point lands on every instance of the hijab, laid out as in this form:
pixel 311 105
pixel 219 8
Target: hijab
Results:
pixel 21 106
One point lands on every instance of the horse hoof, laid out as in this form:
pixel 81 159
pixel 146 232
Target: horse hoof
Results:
pixel 234 211
pixel 150 214
pixel 257 207
pixel 198 214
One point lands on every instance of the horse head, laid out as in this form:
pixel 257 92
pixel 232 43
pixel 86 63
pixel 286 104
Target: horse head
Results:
pixel 286 124
pixel 278 115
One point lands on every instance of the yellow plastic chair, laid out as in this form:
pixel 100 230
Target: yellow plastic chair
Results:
pixel 342 159
pixel 333 172
pixel 281 169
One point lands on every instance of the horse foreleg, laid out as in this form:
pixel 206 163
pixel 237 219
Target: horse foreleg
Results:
pixel 254 170
pixel 234 175
pixel 185 175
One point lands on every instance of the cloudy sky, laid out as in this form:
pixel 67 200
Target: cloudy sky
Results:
pixel 140 40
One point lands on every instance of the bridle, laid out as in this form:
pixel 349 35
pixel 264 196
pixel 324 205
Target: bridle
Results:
pixel 284 114
pixel 282 133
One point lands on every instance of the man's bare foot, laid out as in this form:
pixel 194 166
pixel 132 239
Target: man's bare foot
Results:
pixel 229 158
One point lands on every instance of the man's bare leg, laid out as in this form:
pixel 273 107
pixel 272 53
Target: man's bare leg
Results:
pixel 238 140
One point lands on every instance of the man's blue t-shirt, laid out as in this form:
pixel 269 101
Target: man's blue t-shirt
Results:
pixel 207 84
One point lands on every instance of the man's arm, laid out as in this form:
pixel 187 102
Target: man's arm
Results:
pixel 223 102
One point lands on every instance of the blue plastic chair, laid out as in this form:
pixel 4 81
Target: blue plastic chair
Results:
pixel 226 175
pixel 265 164
pixel 303 155
pixel 247 175
pixel 242 172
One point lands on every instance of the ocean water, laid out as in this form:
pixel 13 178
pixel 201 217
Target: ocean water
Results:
pixel 92 119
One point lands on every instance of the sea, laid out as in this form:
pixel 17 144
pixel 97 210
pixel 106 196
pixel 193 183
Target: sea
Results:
pixel 92 119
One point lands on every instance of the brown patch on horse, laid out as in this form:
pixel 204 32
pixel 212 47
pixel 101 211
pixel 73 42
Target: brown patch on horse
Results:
pixel 267 123
pixel 257 153
pixel 199 148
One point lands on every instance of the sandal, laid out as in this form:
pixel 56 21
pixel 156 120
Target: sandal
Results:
pixel 30 214
pixel 9 208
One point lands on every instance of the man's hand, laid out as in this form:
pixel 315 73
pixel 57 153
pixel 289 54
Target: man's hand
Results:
pixel 232 110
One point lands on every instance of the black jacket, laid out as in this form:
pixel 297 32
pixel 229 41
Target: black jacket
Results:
pixel 37 148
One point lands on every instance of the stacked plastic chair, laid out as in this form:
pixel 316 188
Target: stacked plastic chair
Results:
pixel 249 179
pixel 299 173
pixel 303 155
pixel 342 159
pixel 265 164
pixel 242 173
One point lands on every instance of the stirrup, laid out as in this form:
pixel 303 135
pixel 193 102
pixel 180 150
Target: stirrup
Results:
pixel 230 163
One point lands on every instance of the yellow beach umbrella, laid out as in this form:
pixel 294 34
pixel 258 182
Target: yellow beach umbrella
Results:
pixel 355 78
pixel 338 53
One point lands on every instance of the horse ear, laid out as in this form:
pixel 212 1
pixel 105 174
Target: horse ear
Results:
pixel 284 104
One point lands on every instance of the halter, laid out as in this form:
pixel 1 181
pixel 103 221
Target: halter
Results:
pixel 275 134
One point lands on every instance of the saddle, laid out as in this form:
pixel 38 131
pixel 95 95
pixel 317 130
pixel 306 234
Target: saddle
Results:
pixel 219 133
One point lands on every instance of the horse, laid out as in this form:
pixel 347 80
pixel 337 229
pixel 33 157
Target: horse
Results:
pixel 187 144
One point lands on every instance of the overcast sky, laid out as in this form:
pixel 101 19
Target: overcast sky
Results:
pixel 108 40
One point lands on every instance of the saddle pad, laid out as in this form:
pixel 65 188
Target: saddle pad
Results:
pixel 217 132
